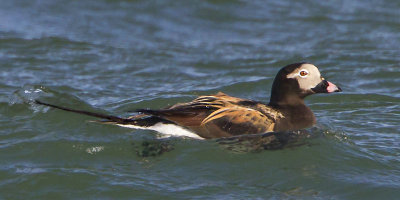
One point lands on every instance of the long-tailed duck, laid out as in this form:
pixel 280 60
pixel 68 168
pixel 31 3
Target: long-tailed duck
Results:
pixel 221 115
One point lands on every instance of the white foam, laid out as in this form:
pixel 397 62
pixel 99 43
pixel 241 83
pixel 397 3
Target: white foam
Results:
pixel 167 130
pixel 94 150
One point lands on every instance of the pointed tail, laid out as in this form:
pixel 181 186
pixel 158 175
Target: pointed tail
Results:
pixel 142 120
pixel 111 118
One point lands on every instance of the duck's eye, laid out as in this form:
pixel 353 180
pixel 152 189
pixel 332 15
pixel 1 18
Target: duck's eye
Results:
pixel 303 73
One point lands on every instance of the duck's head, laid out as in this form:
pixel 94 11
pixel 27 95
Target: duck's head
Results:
pixel 296 81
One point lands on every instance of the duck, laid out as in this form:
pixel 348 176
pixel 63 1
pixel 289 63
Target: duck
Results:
pixel 221 116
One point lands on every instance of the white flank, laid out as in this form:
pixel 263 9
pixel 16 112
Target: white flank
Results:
pixel 167 130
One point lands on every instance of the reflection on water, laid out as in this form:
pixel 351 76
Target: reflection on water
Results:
pixel 267 141
pixel 253 143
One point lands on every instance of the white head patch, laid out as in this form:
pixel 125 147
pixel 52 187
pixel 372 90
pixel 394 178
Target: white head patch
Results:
pixel 307 75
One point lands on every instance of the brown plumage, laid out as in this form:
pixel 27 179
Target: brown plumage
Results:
pixel 221 115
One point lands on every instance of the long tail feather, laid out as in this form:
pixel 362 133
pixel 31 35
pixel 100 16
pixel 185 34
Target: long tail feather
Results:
pixel 98 115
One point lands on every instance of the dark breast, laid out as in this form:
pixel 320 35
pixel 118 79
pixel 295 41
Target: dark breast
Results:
pixel 295 118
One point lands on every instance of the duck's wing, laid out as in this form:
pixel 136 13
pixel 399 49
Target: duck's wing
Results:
pixel 193 113
pixel 217 115
pixel 210 101
pixel 238 121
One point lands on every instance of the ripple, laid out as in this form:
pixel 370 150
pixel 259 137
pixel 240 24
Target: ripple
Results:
pixel 116 56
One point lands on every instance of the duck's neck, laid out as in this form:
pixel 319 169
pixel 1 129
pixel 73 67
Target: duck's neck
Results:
pixel 285 100
pixel 296 114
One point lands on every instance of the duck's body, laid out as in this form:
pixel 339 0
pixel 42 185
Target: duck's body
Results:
pixel 220 115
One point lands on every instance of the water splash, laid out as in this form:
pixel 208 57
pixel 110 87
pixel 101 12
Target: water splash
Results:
pixel 27 95
pixel 94 150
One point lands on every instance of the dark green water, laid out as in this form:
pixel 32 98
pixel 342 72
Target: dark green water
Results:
pixel 116 56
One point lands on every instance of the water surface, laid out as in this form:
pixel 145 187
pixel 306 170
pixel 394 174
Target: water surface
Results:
pixel 115 56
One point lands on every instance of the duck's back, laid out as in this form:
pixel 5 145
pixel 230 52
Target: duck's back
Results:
pixel 221 115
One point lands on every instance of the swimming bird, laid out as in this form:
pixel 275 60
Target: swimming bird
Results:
pixel 220 115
